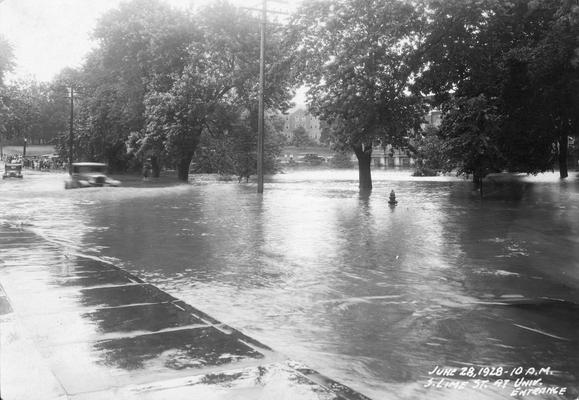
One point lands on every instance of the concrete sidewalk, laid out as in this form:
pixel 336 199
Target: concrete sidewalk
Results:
pixel 73 327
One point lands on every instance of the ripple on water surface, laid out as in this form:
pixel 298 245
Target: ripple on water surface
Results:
pixel 371 295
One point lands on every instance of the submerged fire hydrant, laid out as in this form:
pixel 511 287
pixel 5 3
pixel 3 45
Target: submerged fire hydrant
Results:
pixel 392 200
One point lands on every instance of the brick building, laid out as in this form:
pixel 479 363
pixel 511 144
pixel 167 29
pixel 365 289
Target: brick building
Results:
pixel 301 117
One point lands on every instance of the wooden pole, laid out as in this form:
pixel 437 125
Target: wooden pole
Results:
pixel 260 121
pixel 71 133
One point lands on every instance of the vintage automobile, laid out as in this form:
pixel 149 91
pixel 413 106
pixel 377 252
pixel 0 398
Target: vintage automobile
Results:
pixel 312 159
pixel 89 174
pixel 12 170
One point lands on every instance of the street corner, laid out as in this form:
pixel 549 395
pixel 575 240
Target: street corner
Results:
pixel 5 306
pixel 24 372
pixel 276 380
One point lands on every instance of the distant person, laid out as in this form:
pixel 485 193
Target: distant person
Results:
pixel 146 171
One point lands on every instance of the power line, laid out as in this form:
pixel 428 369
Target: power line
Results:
pixel 268 11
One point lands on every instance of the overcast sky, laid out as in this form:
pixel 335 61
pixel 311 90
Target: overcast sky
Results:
pixel 48 35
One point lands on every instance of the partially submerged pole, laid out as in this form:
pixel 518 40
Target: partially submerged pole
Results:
pixel 70 135
pixel 260 120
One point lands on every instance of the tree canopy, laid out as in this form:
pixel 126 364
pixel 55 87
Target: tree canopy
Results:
pixel 516 62
pixel 231 149
pixel 160 78
pixel 221 75
pixel 6 58
pixel 140 44
pixel 356 58
pixel 6 64
pixel 162 81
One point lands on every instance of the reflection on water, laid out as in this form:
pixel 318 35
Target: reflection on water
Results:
pixel 371 295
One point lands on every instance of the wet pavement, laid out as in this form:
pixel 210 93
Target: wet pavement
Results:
pixel 75 327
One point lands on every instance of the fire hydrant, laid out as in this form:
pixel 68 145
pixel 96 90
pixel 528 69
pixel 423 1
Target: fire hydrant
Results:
pixel 392 201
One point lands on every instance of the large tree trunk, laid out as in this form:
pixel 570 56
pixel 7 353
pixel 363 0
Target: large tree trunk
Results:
pixel 364 156
pixel 187 147
pixel 183 167
pixel 563 152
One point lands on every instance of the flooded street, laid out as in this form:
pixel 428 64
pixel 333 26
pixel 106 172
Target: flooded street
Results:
pixel 370 295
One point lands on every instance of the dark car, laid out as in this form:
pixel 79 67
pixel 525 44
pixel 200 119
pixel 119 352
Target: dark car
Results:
pixel 89 174
pixel 12 170
pixel 313 159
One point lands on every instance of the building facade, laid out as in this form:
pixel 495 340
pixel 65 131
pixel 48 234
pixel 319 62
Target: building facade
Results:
pixel 389 156
pixel 302 118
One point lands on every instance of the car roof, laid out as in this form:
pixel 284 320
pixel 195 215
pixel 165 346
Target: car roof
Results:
pixel 89 164
pixel 12 165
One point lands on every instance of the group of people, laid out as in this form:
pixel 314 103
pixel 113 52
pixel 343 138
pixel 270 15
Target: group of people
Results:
pixel 13 159
pixel 40 164
pixel 43 164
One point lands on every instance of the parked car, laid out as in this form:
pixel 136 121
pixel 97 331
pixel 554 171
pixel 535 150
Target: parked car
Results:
pixel 12 170
pixel 89 174
pixel 313 159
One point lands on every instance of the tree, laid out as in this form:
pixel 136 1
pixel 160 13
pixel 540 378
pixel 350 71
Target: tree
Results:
pixel 243 148
pixel 520 57
pixel 428 150
pixel 554 75
pixel 35 111
pixel 221 73
pixel 300 137
pixel 469 132
pixel 32 111
pixel 6 58
pixel 357 58
pixel 83 146
pixel 231 147
pixel 21 119
pixel 54 113
pixel 141 44
pixel 6 64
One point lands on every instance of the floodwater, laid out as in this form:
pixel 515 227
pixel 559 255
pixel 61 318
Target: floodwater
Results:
pixel 370 295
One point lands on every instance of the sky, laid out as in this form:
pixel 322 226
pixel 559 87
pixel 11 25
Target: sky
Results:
pixel 49 35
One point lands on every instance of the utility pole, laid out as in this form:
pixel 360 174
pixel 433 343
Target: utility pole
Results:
pixel 71 133
pixel 260 120
pixel 1 147
pixel 261 105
